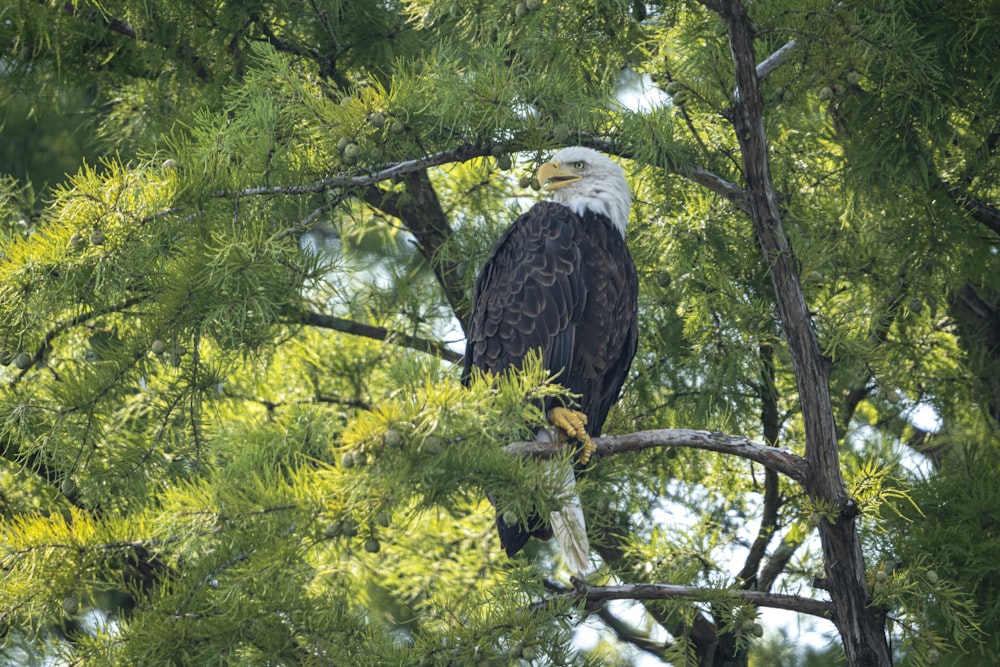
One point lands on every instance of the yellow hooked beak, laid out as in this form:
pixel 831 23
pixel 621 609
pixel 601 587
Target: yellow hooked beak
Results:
pixel 552 176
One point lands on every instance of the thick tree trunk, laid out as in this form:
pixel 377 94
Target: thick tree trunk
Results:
pixel 861 627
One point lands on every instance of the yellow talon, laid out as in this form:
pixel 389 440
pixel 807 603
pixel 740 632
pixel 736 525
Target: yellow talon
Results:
pixel 587 450
pixel 569 422
pixel 571 425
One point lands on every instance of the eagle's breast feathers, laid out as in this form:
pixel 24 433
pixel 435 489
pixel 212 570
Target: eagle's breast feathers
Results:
pixel 565 285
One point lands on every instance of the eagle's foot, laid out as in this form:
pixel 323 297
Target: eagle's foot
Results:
pixel 572 425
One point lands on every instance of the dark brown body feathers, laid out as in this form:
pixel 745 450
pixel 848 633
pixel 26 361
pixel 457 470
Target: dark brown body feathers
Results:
pixel 564 285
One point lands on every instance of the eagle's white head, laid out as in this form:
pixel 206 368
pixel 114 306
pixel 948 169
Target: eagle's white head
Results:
pixel 581 179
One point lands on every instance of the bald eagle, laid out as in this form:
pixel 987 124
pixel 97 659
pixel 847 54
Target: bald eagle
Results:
pixel 561 281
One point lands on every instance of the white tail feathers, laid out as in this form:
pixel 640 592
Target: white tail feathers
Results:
pixel 569 526
pixel 568 523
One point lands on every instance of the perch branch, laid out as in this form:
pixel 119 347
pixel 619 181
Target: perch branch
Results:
pixel 780 460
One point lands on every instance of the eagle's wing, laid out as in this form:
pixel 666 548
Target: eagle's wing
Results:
pixel 530 294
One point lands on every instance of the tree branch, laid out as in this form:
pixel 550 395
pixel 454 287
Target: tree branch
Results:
pixel 114 25
pixel 771 425
pixel 611 545
pixel 600 594
pixel 980 211
pixel 878 333
pixel 420 211
pixel 99 16
pixel 629 635
pixel 324 321
pixel 78 319
pixel 777 563
pixel 862 628
pixel 775 60
pixel 768 524
pixel 350 181
pixel 271 406
pixel 719 186
pixel 780 460
pixel 978 324
pixel 769 64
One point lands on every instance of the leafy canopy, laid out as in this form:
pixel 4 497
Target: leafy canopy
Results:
pixel 236 248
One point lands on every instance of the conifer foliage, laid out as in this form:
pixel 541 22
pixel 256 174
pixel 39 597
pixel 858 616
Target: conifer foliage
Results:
pixel 231 420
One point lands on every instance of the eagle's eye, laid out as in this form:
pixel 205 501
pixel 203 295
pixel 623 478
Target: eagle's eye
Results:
pixel 579 166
